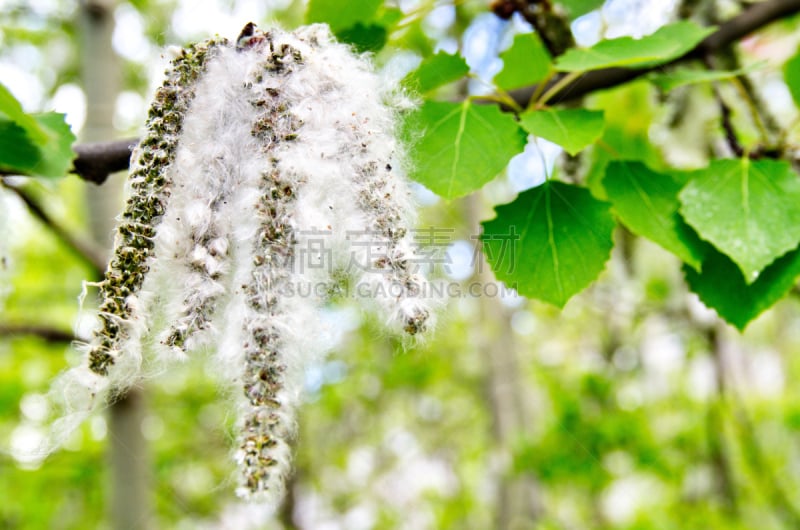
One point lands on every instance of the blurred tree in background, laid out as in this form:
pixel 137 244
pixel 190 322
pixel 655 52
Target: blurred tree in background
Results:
pixel 633 407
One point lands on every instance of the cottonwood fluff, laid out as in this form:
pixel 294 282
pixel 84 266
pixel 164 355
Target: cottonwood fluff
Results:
pixel 269 172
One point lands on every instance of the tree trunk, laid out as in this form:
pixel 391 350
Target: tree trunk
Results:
pixel 517 496
pixel 128 460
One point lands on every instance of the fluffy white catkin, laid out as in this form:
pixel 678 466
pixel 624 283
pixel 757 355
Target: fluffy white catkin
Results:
pixel 113 357
pixel 269 168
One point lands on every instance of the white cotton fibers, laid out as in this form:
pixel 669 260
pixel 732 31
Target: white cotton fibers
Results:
pixel 269 171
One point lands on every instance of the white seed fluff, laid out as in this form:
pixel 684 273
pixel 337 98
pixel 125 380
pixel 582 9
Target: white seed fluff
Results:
pixel 270 169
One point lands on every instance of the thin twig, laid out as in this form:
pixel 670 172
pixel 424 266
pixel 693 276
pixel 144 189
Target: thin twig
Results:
pixel 731 136
pixel 49 334
pixel 727 125
pixel 83 249
pixel 95 161
pixel 551 25
pixel 754 18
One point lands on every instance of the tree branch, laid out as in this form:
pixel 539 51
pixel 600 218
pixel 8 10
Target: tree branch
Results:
pixel 551 25
pixel 83 249
pixel 727 125
pixel 755 17
pixel 95 161
pixel 46 333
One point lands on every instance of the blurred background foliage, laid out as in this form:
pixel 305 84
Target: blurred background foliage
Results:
pixel 633 408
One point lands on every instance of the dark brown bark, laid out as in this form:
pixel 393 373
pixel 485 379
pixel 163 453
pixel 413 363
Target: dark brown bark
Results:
pixel 96 160
pixel 48 334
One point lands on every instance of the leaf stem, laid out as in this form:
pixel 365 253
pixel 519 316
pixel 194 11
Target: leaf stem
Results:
pixel 751 107
pixel 537 93
pixel 500 96
pixel 557 87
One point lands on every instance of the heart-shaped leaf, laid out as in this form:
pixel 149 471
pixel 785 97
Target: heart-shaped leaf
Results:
pixel 435 71
pixel 459 147
pixel 526 62
pixel 747 209
pixel 551 242
pixel 722 287
pixel 647 203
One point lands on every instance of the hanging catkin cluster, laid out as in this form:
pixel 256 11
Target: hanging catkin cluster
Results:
pixel 268 170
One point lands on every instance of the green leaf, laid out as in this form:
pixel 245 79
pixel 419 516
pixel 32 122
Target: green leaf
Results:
pixel 33 144
pixel 526 62
pixel 576 8
pixel 412 37
pixel 647 203
pixel 13 111
pixel 56 154
pixel 669 42
pixel 388 16
pixel 572 129
pixel 459 147
pixel 342 15
pixel 627 134
pixel 686 76
pixel 722 287
pixel 747 209
pixel 372 33
pixel 435 71
pixel 791 73
pixel 551 242
pixel 364 37
pixel 19 154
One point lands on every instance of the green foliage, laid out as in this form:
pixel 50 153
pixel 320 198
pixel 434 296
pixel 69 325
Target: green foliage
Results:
pixel 435 71
pixel 576 8
pixel 11 108
pixel 56 155
pixel 747 209
pixel 363 23
pixel 339 16
pixel 667 43
pixel 364 37
pixel 17 152
pixel 626 135
pixel 572 129
pixel 647 203
pixel 33 144
pixel 721 286
pixel 791 72
pixel 526 62
pixel 459 147
pixel 551 242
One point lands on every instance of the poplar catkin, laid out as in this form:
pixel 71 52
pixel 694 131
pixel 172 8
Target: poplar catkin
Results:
pixel 269 163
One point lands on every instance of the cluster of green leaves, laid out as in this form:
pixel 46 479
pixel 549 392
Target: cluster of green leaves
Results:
pixel 735 223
